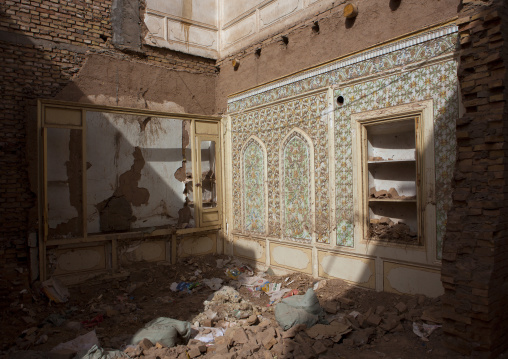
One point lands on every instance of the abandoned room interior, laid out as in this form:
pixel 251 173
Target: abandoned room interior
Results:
pixel 355 146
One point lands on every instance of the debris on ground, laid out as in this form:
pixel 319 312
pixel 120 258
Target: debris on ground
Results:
pixel 55 291
pixel 162 330
pixel 424 330
pixel 299 309
pixel 82 343
pixel 223 317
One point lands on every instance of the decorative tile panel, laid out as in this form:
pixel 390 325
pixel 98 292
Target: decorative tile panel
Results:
pixel 296 188
pixel 271 124
pixel 399 81
pixel 421 47
pixel 437 82
pixel 254 187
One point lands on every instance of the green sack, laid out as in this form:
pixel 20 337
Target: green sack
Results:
pixel 299 309
pixel 166 331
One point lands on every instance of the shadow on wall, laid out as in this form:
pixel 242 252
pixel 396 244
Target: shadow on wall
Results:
pixel 132 182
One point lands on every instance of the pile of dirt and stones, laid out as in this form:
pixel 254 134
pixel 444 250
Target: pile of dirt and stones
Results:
pixel 220 308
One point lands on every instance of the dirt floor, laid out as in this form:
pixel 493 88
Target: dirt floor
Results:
pixel 377 325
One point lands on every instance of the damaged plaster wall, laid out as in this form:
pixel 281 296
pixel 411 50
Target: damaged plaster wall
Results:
pixel 64 183
pixel 133 83
pixel 131 178
pixel 190 26
pixel 335 36
pixel 380 79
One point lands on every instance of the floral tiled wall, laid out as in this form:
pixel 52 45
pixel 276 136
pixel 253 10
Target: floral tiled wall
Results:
pixel 437 82
pixel 254 188
pixel 296 188
pixel 413 69
pixel 271 125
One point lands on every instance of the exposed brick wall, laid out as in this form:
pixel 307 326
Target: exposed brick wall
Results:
pixel 43 45
pixel 475 253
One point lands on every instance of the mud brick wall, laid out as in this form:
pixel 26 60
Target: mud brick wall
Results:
pixel 475 255
pixel 45 46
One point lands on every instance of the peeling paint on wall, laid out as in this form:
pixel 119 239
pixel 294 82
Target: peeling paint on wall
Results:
pixel 131 181
pixel 64 183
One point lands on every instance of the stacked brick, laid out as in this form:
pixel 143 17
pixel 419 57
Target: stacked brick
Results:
pixel 475 253
pixel 43 44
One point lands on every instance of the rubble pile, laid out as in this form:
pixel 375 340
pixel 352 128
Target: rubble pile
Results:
pixel 262 337
pixel 384 229
pixel 390 194
pixel 239 318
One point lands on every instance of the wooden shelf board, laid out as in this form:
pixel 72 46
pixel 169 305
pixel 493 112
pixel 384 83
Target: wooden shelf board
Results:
pixel 391 161
pixel 392 200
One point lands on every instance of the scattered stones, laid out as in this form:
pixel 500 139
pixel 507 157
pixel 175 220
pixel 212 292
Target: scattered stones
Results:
pixel 353 322
pixel 401 307
pixel 346 302
pixel 330 307
pixel 145 344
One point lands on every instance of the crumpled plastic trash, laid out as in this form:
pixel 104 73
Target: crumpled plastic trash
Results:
pixel 424 330
pixel 277 295
pixel 182 286
pixel 211 333
pixel 254 281
pixel 233 273
pixel 80 344
pixel 55 290
pixel 55 319
pixel 214 283
pixel 97 352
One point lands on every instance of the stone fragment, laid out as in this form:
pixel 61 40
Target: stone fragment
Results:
pixel 433 315
pixel 194 352
pixel 145 344
pixel 287 348
pixel 265 323
pixel 206 323
pixel 221 349
pixel 362 337
pixel 390 323
pixel 346 302
pixel 348 342
pixel 373 320
pixel 401 307
pixel 319 347
pixel 269 342
pixel 278 349
pixel 252 320
pixel 308 352
pixel 244 353
pixel 386 220
pixel 398 328
pixel 392 193
pixel 291 332
pixel 380 310
pixel 413 314
pixel 133 351
pixel 240 337
pixel 330 307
